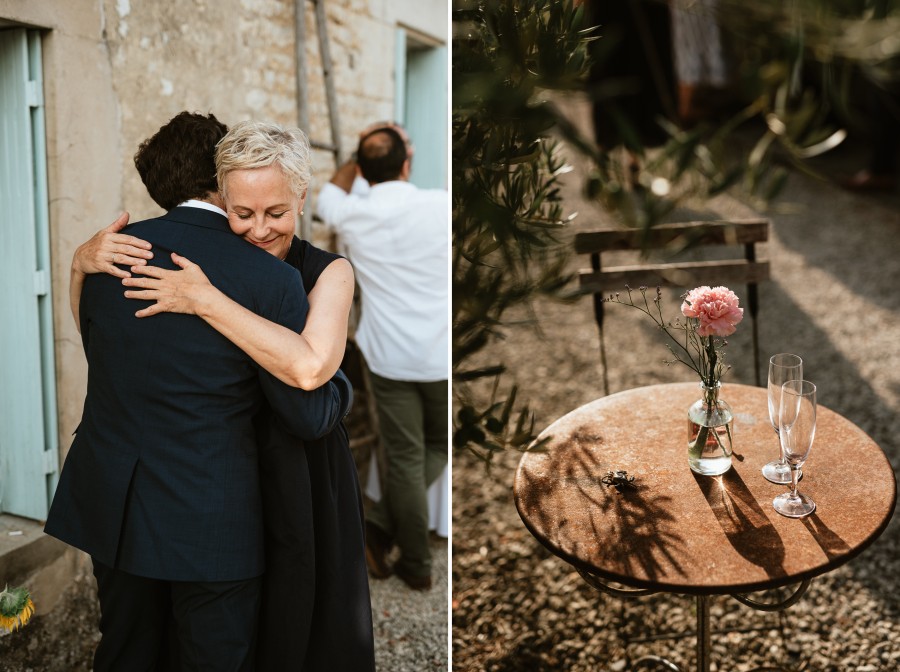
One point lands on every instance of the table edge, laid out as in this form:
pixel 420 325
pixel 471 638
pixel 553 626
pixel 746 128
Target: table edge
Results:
pixel 677 588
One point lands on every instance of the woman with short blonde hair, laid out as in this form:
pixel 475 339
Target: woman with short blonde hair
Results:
pixel 316 610
pixel 258 144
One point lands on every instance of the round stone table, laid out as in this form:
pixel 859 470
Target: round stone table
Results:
pixel 675 531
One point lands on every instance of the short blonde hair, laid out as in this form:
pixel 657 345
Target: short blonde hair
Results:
pixel 258 144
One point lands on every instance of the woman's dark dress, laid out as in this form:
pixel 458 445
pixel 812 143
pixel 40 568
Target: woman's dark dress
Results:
pixel 315 614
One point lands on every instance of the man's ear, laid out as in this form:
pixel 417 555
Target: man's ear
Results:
pixel 407 167
pixel 216 198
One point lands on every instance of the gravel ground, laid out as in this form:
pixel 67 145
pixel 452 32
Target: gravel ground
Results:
pixel 832 298
pixel 410 627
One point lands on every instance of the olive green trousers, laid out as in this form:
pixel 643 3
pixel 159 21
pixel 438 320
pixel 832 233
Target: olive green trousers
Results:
pixel 413 419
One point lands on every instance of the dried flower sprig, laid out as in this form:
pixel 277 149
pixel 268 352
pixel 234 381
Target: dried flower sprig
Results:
pixel 16 608
pixel 709 315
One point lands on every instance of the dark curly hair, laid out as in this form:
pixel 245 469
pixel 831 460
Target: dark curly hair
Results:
pixel 381 155
pixel 178 162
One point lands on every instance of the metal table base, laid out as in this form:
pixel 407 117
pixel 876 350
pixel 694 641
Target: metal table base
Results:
pixel 704 635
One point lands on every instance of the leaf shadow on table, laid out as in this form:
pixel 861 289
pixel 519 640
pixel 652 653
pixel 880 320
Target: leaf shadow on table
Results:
pixel 743 521
pixel 628 533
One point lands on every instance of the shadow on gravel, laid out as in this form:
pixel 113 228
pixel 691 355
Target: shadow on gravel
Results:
pixel 785 327
pixel 852 239
pixel 523 658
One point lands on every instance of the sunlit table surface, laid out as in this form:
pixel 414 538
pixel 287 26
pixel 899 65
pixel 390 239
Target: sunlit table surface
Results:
pixel 679 532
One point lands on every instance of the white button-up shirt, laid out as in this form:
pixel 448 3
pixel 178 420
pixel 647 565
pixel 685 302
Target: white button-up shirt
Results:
pixel 397 238
pixel 194 203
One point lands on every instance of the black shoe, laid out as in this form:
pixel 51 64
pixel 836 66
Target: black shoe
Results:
pixel 378 546
pixel 414 582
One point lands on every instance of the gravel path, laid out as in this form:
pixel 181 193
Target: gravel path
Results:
pixel 833 299
pixel 410 627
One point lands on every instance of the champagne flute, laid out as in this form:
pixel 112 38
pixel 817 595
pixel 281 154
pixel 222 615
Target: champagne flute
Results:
pixel 797 425
pixel 782 368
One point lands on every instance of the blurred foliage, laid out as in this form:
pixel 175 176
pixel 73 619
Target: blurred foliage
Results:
pixel 809 69
pixel 859 34
pixel 507 209
pixel 798 64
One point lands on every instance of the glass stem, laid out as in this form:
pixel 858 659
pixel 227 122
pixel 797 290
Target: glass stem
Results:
pixel 781 461
pixel 795 472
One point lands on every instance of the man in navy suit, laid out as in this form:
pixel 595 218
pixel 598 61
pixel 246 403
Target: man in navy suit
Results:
pixel 161 485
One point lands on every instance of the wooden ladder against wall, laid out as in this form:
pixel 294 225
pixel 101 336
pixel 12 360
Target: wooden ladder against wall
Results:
pixel 303 90
pixel 370 438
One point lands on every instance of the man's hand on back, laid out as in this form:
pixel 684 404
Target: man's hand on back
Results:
pixel 108 247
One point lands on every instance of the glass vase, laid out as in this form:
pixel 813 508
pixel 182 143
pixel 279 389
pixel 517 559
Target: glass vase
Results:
pixel 710 433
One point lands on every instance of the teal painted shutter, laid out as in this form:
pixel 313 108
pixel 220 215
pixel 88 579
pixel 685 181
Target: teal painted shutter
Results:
pixel 425 115
pixel 400 76
pixel 28 434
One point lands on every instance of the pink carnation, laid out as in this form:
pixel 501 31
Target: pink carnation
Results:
pixel 716 308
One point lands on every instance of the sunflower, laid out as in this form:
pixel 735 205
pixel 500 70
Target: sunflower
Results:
pixel 16 608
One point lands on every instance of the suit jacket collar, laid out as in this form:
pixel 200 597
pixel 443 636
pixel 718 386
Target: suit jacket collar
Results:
pixel 198 217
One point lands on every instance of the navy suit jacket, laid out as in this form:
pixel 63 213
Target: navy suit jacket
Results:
pixel 162 478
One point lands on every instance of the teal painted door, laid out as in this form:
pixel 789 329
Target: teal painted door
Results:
pixel 28 443
pixel 422 109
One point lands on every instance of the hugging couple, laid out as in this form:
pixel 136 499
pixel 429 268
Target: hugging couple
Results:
pixel 211 479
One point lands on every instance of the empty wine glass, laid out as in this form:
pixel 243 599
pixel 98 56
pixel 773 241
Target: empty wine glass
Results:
pixel 797 428
pixel 782 368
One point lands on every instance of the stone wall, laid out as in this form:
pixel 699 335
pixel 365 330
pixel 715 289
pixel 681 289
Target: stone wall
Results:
pixel 116 70
pixel 236 58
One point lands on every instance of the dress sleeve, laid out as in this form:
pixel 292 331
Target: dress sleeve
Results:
pixel 309 260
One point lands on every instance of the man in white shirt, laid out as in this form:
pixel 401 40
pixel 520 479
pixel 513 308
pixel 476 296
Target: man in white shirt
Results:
pixel 396 237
